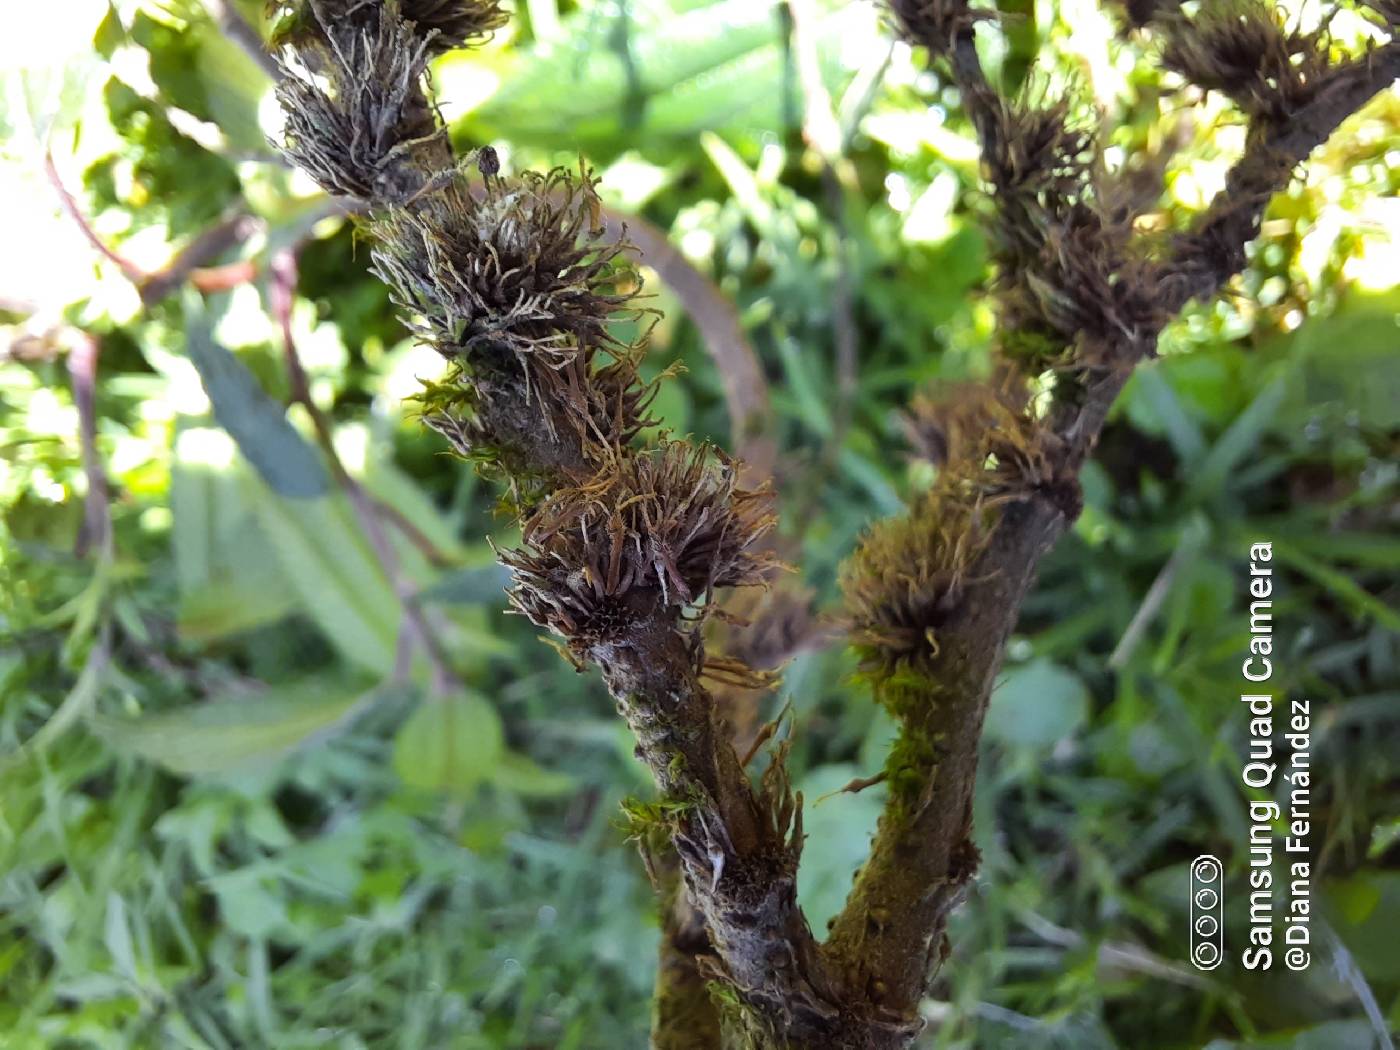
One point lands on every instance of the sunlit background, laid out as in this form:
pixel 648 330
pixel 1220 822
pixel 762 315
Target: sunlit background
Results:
pixel 230 816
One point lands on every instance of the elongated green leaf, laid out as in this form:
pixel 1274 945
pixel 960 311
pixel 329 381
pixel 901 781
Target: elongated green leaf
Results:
pixel 253 419
pixel 236 604
pixel 1239 440
pixel 1361 601
pixel 450 744
pixel 482 585
pixel 522 775
pixel 230 579
pixel 1036 704
pixel 666 70
pixel 231 733
pixel 334 574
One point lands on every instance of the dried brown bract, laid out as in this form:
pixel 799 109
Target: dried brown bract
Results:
pixel 355 109
pixel 652 530
pixel 454 23
pixel 522 266
pixel 986 436
pixel 1245 50
pixel 1039 157
pixel 444 25
pixel 909 574
pixel 1086 287
pixel 935 23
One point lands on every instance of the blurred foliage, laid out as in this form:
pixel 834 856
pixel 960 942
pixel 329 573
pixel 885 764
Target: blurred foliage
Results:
pixel 224 823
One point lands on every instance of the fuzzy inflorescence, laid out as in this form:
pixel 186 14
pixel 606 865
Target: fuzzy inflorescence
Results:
pixel 936 23
pixel 518 283
pixel 523 264
pixel 910 574
pixel 1245 50
pixel 444 25
pixel 659 529
pixel 1068 284
pixel 355 112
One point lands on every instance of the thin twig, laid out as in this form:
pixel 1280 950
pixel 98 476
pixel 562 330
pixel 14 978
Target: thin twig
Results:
pixel 821 131
pixel 129 269
pixel 97 515
pixel 190 263
pixel 236 28
pixel 417 630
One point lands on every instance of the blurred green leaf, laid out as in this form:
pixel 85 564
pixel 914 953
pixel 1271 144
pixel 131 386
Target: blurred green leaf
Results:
pixel 838 826
pixel 482 585
pixel 660 72
pixel 524 776
pixel 1036 704
pixel 450 744
pixel 232 606
pixel 234 732
pixel 259 425
pixel 1349 364
pixel 330 566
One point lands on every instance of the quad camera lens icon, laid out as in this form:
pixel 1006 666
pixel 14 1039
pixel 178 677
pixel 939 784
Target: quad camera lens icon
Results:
pixel 1207 912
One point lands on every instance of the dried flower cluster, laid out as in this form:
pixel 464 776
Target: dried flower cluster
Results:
pixel 520 269
pixel 355 111
pixel 514 280
pixel 1069 277
pixel 909 574
pixel 1245 50
pixel 666 527
pixel 936 23
pixel 442 25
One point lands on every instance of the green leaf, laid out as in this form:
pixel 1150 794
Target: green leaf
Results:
pixel 660 72
pixel 1036 704
pixel 232 733
pixel 450 744
pixel 333 571
pixel 522 775
pixel 253 419
pixel 232 606
pixel 481 585
pixel 1239 440
pixel 1363 604
pixel 1349 367
pixel 838 826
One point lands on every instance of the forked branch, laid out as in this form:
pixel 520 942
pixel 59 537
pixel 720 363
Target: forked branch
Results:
pixel 625 545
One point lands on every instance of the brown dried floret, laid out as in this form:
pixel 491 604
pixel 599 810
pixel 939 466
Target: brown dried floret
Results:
pixel 1086 286
pixel 910 574
pixel 935 23
pixel 656 529
pixel 523 266
pixel 1245 50
pixel 443 25
pixel 987 437
pixel 355 109
pixel 1041 166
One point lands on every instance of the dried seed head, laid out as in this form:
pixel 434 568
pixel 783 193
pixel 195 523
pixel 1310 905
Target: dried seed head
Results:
pixel 935 23
pixel 660 529
pixel 1039 158
pixel 1084 290
pixel 986 436
pixel 909 575
pixel 1244 49
pixel 355 109
pixel 443 25
pixel 523 267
